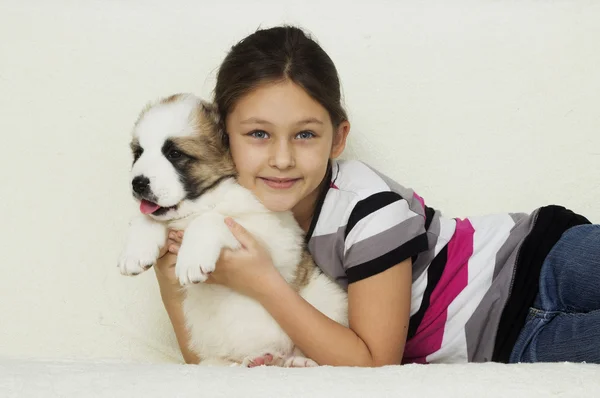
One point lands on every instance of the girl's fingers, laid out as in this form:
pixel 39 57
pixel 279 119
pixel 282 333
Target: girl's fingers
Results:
pixel 173 246
pixel 176 236
pixel 240 233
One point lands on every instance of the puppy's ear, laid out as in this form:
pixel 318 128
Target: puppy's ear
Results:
pixel 211 112
pixel 217 125
pixel 145 109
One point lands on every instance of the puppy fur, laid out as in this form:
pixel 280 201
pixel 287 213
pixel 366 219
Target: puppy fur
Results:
pixel 184 176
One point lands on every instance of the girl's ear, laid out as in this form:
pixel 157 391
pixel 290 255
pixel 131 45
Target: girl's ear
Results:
pixel 339 139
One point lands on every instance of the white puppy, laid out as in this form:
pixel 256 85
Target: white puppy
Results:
pixel 184 178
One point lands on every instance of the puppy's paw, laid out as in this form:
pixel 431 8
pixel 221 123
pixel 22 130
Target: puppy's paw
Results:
pixel 142 248
pixel 195 262
pixel 201 248
pixel 299 362
pixel 137 257
pixel 267 359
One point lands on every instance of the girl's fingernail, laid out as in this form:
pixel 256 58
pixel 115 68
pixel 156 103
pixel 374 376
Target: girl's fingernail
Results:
pixel 229 221
pixel 180 234
pixel 172 235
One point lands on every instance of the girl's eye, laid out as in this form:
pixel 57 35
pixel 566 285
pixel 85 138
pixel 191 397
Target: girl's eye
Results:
pixel 260 134
pixel 305 135
pixel 174 154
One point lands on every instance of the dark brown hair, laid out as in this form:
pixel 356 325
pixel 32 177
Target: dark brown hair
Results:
pixel 277 54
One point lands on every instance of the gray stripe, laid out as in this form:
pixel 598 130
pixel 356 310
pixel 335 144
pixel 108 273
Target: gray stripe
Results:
pixel 406 193
pixel 481 328
pixel 377 245
pixel 328 253
pixel 516 234
pixel 425 258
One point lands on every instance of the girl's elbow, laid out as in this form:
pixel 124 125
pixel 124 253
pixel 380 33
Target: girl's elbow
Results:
pixel 378 361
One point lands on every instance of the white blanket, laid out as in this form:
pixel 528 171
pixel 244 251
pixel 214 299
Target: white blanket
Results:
pixel 48 379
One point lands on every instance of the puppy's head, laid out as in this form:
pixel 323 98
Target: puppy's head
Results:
pixel 178 154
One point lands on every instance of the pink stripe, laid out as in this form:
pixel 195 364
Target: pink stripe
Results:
pixel 420 199
pixel 332 185
pixel 429 335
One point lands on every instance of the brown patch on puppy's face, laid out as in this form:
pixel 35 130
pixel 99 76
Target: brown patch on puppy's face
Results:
pixel 172 98
pixel 210 158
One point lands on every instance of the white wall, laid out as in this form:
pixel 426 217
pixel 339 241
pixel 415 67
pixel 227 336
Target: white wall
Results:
pixel 481 106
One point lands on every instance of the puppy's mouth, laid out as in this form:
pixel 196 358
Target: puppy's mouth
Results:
pixel 147 207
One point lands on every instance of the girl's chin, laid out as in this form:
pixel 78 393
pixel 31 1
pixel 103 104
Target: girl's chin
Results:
pixel 278 208
pixel 273 204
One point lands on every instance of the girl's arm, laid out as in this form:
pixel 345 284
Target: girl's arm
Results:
pixel 172 297
pixel 378 309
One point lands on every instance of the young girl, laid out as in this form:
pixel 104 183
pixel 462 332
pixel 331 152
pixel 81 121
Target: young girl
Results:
pixel 422 288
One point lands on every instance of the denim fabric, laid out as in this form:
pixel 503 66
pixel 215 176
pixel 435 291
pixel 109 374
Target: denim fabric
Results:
pixel 564 324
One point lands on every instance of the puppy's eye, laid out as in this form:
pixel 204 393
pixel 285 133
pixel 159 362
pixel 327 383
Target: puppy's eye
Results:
pixel 174 154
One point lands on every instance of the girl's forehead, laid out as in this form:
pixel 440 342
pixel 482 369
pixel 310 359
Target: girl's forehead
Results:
pixel 278 101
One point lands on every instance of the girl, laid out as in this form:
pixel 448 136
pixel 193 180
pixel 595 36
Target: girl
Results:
pixel 422 288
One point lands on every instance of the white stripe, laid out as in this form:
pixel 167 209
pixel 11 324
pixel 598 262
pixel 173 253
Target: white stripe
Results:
pixel 357 177
pixel 355 182
pixel 490 234
pixel 379 221
pixel 447 228
pixel 335 212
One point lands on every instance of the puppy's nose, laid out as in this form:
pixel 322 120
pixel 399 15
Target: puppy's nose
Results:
pixel 140 184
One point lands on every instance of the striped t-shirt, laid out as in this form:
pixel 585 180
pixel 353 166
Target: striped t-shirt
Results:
pixel 473 278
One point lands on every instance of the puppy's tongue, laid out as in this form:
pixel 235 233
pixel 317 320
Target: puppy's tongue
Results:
pixel 147 207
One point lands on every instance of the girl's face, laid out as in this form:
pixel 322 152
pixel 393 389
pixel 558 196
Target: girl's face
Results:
pixel 281 140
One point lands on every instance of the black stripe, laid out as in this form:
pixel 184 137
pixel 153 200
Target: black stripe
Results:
pixel 387 260
pixel 552 221
pixel 434 274
pixel 429 214
pixel 369 206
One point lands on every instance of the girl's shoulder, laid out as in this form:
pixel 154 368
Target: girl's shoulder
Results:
pixel 370 221
pixel 357 179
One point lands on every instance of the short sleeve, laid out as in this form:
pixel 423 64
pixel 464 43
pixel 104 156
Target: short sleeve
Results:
pixel 381 232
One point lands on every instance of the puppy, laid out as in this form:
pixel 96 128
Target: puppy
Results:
pixel 184 178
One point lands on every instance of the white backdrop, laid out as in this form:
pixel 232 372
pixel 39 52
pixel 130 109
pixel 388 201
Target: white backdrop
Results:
pixel 481 106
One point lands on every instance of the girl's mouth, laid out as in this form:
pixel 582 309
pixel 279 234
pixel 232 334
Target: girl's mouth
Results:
pixel 280 183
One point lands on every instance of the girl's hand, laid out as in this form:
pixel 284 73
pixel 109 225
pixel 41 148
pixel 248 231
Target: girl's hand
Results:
pixel 248 270
pixel 165 265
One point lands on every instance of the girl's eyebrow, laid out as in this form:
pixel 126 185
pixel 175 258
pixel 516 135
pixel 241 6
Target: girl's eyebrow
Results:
pixel 255 120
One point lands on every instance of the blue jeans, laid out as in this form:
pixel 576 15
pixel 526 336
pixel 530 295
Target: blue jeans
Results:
pixel 564 324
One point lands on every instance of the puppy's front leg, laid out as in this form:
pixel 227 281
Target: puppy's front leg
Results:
pixel 144 240
pixel 201 247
